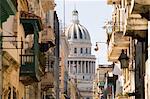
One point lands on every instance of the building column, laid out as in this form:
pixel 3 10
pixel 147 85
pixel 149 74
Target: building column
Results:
pixel 69 67
pixel 39 90
pixel 77 67
pixel 73 68
pixel 81 66
pixel 148 68
pixel 89 66
pixel 84 66
pixel 44 95
pixel 11 92
pixel 88 63
pixel 93 67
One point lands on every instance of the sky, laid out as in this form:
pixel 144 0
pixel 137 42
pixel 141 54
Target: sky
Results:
pixel 92 15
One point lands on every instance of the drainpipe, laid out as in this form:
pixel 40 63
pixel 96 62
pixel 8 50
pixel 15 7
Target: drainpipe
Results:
pixel 1 75
pixel 148 69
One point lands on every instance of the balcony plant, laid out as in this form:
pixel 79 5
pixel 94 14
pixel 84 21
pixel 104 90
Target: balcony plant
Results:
pixel 122 96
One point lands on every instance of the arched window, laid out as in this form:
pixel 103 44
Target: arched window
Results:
pixel 80 34
pixel 75 50
pixel 75 33
pixel 86 50
pixel 84 33
pixel 90 51
pixel 81 51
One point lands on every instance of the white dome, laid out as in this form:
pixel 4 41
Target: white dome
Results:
pixel 76 31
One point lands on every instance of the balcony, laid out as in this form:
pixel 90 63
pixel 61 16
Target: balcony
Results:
pixel 30 69
pixel 32 66
pixel 116 40
pixel 136 27
pixel 141 7
pixel 116 44
pixel 48 80
pixel 10 53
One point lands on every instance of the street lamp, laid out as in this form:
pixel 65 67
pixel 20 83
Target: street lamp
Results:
pixel 97 48
pixel 124 59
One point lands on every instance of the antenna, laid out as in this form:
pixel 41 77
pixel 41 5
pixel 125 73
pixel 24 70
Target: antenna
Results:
pixel 74 6
pixel 64 14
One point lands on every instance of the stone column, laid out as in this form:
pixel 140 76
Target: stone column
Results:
pixel 93 67
pixel 84 66
pixel 148 68
pixel 44 95
pixel 39 90
pixel 81 66
pixel 77 62
pixel 69 67
pixel 11 92
pixel 88 66
pixel 88 63
pixel 73 68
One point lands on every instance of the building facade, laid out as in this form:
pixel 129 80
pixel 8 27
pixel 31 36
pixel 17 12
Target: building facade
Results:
pixel 64 52
pixel 129 35
pixel 81 64
pixel 27 54
pixel 100 80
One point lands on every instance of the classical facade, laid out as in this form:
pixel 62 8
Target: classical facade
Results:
pixel 81 63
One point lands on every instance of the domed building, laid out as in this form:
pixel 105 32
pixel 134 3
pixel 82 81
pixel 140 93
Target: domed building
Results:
pixel 81 64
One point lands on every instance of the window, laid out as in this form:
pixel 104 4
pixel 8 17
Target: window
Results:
pixel 75 50
pixel 90 51
pixel 84 33
pixel 75 33
pixel 86 50
pixel 81 51
pixel 80 34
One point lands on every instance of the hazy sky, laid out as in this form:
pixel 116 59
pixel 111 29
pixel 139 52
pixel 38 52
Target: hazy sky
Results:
pixel 92 15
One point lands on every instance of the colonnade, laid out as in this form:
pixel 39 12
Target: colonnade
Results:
pixel 81 67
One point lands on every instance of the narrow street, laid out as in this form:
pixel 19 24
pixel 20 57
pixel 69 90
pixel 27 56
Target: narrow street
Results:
pixel 74 49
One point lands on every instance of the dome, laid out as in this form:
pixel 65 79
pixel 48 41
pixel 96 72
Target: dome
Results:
pixel 76 31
